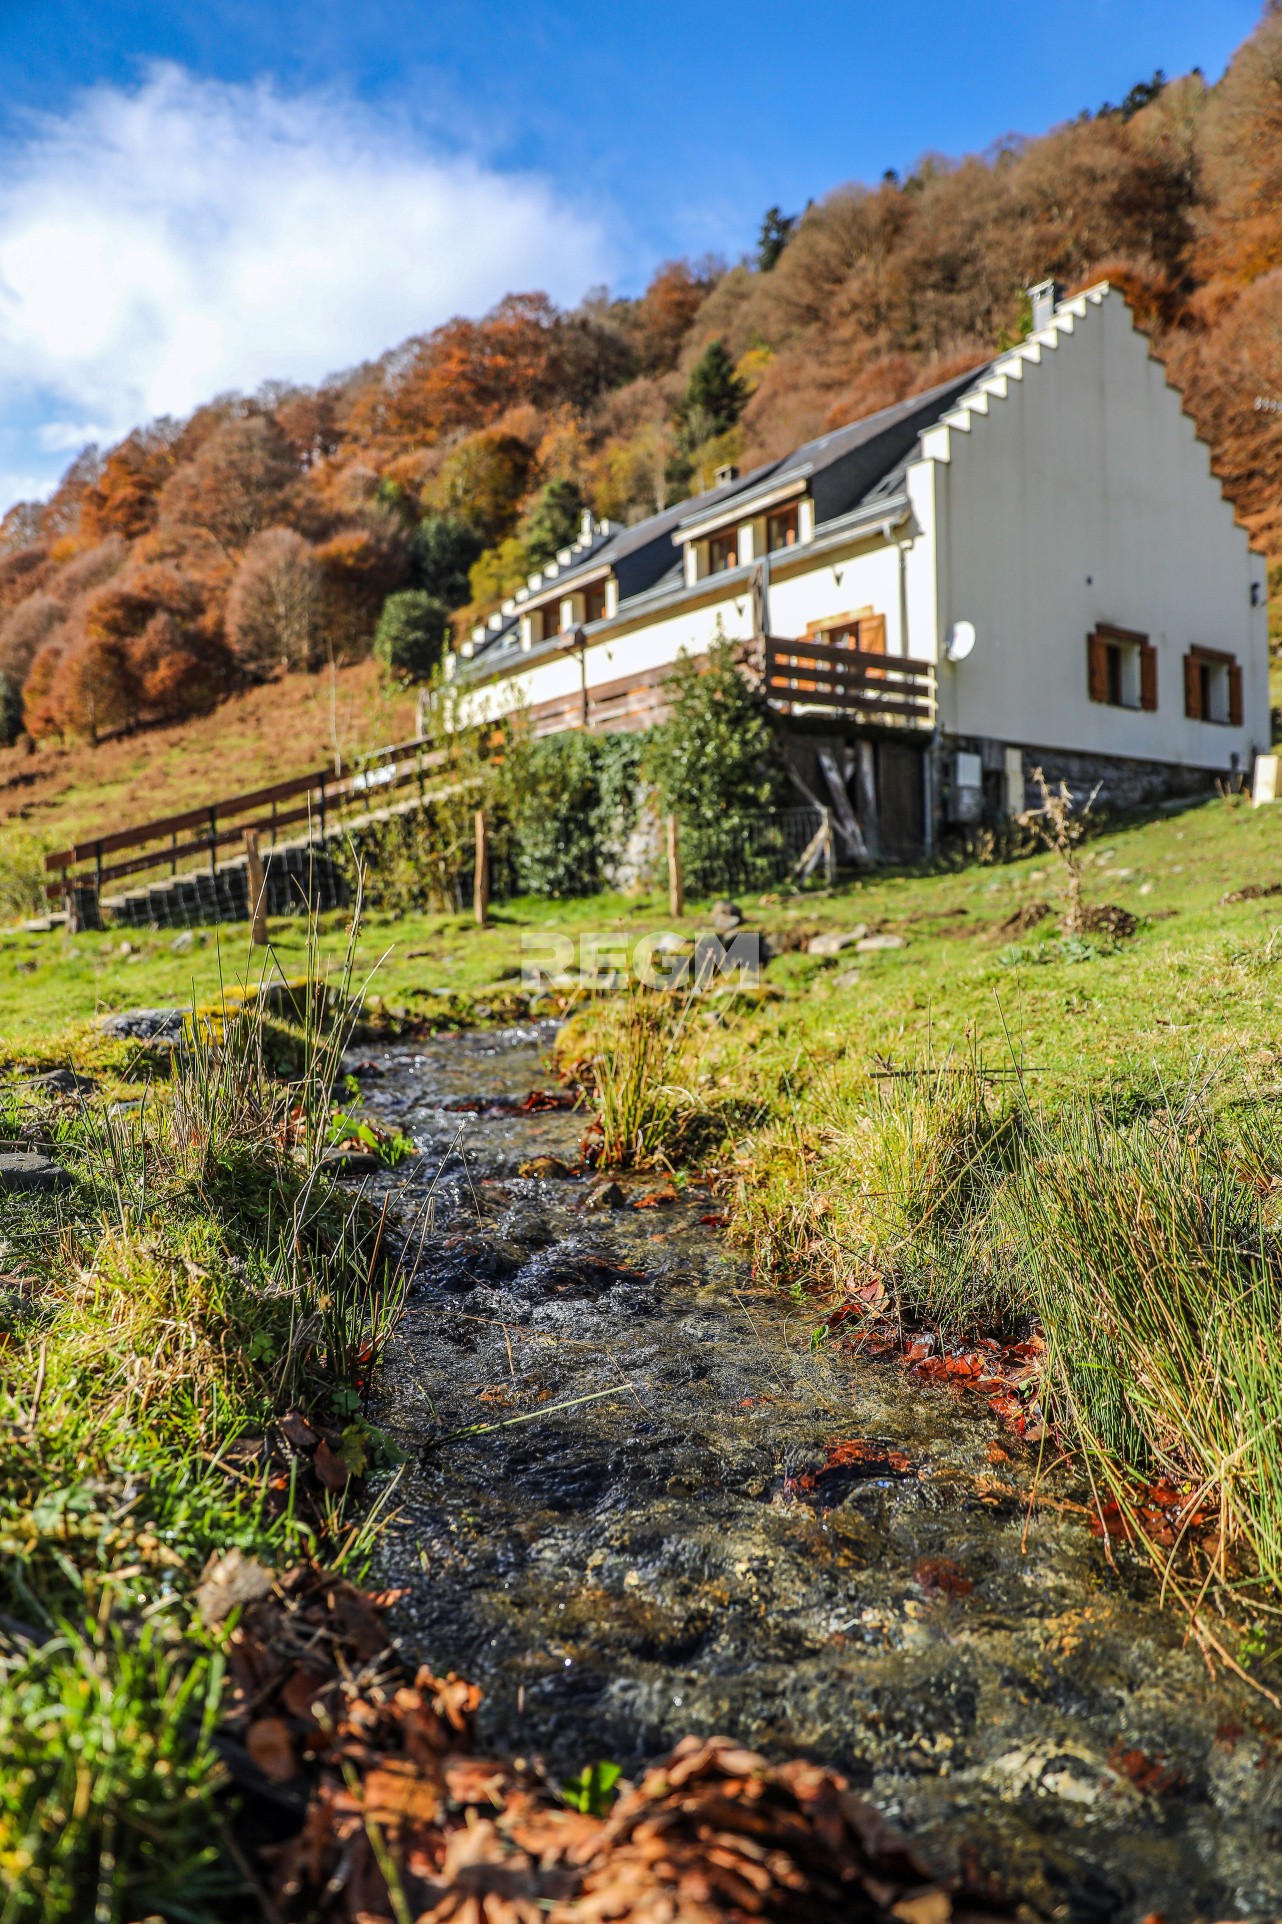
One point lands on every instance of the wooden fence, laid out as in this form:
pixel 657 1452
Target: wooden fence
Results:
pixel 174 840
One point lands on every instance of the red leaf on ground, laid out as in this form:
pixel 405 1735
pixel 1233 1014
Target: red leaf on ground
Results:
pixel 940 1576
pixel 269 1744
pixel 330 1467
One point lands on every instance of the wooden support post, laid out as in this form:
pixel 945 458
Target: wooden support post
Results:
pixel 256 881
pixel 481 882
pixel 676 880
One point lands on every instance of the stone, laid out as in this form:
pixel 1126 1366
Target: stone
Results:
pixel 836 940
pixel 23 1169
pixel 725 916
pixel 351 1162
pixel 227 1583
pixel 848 979
pixel 545 1168
pixel 871 944
pixel 145 1025
pixel 183 942
pixel 117 1109
pixel 62 1082
pixel 605 1195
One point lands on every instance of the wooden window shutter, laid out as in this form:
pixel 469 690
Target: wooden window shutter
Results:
pixel 872 634
pixel 1235 694
pixel 1097 667
pixel 1192 687
pixel 1148 675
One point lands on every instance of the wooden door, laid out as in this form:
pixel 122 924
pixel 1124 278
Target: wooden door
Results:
pixel 901 800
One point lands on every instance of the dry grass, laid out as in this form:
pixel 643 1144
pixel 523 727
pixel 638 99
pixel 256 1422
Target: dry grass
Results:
pixel 264 735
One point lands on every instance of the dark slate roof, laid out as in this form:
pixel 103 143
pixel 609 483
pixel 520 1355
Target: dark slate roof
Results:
pixel 846 468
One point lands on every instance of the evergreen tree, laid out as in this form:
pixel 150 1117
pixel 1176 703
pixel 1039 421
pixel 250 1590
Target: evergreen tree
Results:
pixel 444 548
pixel 714 398
pixel 776 232
pixel 553 522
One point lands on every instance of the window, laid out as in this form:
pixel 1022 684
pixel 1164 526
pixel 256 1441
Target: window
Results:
pixel 781 529
pixel 594 602
pixel 723 552
pixel 865 631
pixel 1121 668
pixel 551 619
pixel 1212 687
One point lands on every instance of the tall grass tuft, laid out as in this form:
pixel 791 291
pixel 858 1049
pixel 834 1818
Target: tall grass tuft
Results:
pixel 895 1180
pixel 1156 1271
pixel 647 1112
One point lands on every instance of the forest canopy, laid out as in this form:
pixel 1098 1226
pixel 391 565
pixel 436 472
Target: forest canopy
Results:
pixel 277 532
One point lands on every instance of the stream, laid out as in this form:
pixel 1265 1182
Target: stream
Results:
pixel 671 1556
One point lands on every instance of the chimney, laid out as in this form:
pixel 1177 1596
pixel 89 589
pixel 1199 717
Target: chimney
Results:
pixel 721 477
pixel 1045 297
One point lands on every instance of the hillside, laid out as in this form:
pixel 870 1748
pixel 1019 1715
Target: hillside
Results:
pixel 280 532
pixel 60 793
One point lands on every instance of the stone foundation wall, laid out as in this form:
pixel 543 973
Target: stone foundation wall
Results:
pixel 1125 785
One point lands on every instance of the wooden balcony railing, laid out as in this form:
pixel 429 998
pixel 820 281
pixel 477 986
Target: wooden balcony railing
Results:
pixel 197 834
pixel 812 677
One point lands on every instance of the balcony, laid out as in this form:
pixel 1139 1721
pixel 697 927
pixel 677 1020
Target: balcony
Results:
pixel 811 678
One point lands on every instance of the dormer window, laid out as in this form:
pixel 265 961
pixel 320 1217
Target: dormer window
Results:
pixel 594 602
pixel 781 529
pixel 723 551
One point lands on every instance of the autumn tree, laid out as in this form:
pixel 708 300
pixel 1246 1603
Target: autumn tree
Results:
pixel 239 483
pixel 276 608
pixel 24 631
pixel 483 482
pixel 360 566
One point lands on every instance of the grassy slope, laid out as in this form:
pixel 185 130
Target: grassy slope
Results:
pixel 265 735
pixel 1197 978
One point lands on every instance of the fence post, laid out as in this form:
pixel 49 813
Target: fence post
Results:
pixel 256 882
pixel 481 879
pixel 829 871
pixel 322 807
pixel 676 880
pixel 213 840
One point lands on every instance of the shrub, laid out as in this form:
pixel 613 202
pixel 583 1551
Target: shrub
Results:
pixel 716 765
pixel 571 802
pixel 411 633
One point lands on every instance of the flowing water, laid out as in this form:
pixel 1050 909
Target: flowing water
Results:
pixel 671 1557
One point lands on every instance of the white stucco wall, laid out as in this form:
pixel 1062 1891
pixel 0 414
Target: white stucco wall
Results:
pixel 1083 495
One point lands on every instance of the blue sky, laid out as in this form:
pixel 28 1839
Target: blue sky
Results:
pixel 200 196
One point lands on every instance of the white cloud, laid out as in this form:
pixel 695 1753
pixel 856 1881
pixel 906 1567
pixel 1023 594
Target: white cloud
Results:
pixel 161 245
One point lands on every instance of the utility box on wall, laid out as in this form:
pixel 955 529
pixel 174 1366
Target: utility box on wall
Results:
pixel 966 788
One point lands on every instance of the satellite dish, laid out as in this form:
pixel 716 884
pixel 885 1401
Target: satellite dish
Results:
pixel 961 639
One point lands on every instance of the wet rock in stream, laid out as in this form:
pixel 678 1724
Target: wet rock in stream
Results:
pixel 745 1537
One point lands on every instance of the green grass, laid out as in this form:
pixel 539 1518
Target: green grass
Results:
pixel 194 1282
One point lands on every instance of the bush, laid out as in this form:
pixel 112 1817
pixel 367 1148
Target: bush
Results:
pixel 716 765
pixel 411 634
pixel 571 802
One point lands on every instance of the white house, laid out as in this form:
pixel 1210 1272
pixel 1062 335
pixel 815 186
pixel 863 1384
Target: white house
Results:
pixel 1032 565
